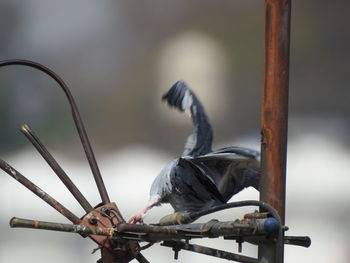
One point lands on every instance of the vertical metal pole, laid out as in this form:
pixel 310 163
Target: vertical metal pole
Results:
pixel 274 114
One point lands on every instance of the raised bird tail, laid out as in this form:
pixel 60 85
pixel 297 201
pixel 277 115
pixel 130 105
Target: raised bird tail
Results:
pixel 183 98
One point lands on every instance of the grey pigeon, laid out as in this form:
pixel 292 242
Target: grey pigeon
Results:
pixel 200 178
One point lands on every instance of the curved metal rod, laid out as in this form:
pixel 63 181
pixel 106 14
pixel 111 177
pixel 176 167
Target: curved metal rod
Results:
pixel 76 117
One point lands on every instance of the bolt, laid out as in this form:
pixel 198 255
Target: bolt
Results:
pixel 93 220
pixel 176 252
pixel 240 242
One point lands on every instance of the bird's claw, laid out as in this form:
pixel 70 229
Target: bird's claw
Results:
pixel 138 218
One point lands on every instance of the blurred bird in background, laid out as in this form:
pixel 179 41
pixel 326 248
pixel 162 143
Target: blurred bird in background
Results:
pixel 200 178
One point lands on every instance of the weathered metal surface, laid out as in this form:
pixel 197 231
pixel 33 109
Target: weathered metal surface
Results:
pixel 119 243
pixel 77 120
pixel 100 229
pixel 230 230
pixel 274 114
pixel 101 221
pixel 103 231
pixel 275 104
pixel 112 249
pixel 83 230
pixel 256 215
pixel 178 245
pixel 39 192
pixel 28 132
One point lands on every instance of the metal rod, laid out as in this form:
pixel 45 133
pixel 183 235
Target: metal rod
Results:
pixel 77 120
pixel 213 228
pixel 274 114
pixel 303 241
pixel 110 232
pixel 83 230
pixel 178 245
pixel 140 258
pixel 170 232
pixel 28 132
pixel 39 192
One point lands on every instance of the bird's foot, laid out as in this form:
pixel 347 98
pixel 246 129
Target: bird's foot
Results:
pixel 176 218
pixel 138 218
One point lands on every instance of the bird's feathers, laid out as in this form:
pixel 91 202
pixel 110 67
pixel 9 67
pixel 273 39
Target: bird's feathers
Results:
pixel 229 172
pixel 202 178
pixel 179 96
pixel 182 97
pixel 192 190
pixel 238 150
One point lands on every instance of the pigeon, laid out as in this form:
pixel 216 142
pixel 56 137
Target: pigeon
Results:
pixel 201 178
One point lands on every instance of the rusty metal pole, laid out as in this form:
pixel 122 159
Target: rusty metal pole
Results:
pixel 274 114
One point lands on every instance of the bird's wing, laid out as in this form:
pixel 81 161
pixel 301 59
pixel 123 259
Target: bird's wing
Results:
pixel 230 171
pixel 182 97
pixel 192 189
pixel 239 161
pixel 206 181
pixel 238 150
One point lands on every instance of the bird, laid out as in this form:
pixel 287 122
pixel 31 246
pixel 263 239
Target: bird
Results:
pixel 200 178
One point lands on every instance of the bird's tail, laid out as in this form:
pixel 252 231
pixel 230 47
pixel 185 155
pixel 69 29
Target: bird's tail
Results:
pixel 183 98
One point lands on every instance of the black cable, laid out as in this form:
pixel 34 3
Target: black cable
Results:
pixel 195 215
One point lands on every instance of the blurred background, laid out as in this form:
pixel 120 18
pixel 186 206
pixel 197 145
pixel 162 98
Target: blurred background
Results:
pixel 119 57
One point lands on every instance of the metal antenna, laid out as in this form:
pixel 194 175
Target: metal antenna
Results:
pixel 28 132
pixel 106 215
pixel 77 120
pixel 39 192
